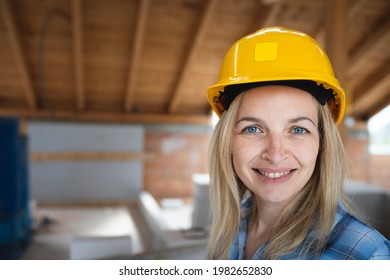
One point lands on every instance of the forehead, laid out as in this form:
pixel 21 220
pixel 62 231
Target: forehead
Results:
pixel 279 100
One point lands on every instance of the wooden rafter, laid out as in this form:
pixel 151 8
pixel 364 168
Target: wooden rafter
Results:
pixel 77 24
pixel 116 96
pixel 106 117
pixel 191 55
pixel 371 92
pixel 358 54
pixel 319 30
pixel 13 33
pixel 355 8
pixel 336 39
pixel 270 17
pixel 372 80
pixel 267 11
pixel 262 13
pixel 143 10
pixel 377 107
pixel 269 2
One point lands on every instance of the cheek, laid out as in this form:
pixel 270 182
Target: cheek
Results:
pixel 308 154
pixel 238 154
pixel 242 153
pixel 240 162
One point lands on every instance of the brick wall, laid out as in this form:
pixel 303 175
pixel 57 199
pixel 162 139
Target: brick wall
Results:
pixel 356 144
pixel 365 167
pixel 380 171
pixel 176 153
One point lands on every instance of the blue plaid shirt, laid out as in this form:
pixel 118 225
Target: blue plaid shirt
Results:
pixel 350 239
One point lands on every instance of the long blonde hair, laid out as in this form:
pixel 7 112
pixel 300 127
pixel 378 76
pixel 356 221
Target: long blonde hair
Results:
pixel 314 208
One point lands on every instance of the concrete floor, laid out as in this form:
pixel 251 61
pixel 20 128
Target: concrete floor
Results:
pixel 164 241
pixel 52 240
pixel 65 225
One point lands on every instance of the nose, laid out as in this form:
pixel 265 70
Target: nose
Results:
pixel 275 149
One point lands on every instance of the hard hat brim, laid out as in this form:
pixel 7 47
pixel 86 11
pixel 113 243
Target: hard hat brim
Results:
pixel 337 105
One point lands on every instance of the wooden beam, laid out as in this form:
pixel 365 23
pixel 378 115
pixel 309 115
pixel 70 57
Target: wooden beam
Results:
pixel 371 81
pixel 372 92
pixel 77 24
pixel 355 8
pixel 267 11
pixel 319 30
pixel 270 2
pixel 336 43
pixel 319 33
pixel 377 107
pixel 106 117
pixel 336 36
pixel 292 2
pixel 191 55
pixel 143 11
pixel 20 58
pixel 89 156
pixel 257 22
pixel 358 53
pixel 270 18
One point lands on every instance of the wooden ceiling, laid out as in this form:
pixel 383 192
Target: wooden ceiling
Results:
pixel 152 60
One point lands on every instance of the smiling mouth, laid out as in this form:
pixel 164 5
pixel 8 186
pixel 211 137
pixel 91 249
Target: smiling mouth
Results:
pixel 274 175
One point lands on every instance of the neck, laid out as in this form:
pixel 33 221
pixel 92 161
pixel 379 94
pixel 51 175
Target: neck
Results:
pixel 268 215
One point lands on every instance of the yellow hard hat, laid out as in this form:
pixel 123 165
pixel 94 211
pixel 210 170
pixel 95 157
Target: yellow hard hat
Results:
pixel 277 55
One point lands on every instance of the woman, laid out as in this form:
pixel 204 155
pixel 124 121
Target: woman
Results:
pixel 277 163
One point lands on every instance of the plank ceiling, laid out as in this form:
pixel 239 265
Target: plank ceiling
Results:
pixel 152 60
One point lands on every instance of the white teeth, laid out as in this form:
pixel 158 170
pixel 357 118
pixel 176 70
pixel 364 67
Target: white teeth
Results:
pixel 274 175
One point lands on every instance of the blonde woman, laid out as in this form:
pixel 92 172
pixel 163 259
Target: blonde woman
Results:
pixel 277 163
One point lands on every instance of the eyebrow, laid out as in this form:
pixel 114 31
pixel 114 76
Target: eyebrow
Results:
pixel 295 120
pixel 248 119
pixel 257 120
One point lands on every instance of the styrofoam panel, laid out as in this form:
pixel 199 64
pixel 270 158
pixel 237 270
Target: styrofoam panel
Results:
pixel 85 180
pixel 56 136
pixel 75 181
pixel 101 247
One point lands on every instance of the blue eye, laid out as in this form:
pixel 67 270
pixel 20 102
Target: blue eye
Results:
pixel 251 130
pixel 299 130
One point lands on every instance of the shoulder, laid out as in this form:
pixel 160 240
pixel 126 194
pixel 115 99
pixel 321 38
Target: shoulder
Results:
pixel 353 239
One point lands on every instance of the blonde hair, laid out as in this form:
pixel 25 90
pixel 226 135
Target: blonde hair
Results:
pixel 314 208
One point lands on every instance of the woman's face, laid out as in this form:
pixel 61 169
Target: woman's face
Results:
pixel 275 142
